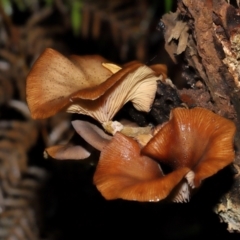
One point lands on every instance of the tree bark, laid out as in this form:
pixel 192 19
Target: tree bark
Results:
pixel 205 35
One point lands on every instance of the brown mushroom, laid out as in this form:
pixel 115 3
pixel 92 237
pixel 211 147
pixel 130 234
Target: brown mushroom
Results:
pixel 53 78
pixel 122 172
pixel 194 138
pixel 82 85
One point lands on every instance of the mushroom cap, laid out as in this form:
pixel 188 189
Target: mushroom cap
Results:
pixel 92 134
pixel 82 85
pixel 122 172
pixel 195 138
pixel 68 151
pixel 54 78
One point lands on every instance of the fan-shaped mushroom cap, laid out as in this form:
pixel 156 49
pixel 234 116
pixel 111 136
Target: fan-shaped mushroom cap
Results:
pixel 122 172
pixel 82 85
pixel 53 78
pixel 194 138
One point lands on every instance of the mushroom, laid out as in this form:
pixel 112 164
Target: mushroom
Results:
pixel 122 172
pixel 91 133
pixel 54 78
pixel 194 138
pixel 83 85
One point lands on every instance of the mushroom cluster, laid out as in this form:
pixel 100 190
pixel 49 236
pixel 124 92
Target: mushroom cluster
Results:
pixel 193 145
pixel 88 85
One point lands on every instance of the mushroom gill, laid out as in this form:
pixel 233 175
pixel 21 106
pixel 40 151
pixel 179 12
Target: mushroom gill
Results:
pixel 137 85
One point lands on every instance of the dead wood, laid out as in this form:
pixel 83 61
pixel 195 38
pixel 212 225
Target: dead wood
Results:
pixel 205 35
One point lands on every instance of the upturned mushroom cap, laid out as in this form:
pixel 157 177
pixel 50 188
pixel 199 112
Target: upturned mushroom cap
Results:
pixel 194 138
pixel 122 172
pixel 82 85
pixel 54 78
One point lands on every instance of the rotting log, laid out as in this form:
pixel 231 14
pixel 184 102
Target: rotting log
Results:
pixel 205 35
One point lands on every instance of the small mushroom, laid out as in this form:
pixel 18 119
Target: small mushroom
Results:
pixel 122 172
pixel 194 138
pixel 83 85
pixel 91 133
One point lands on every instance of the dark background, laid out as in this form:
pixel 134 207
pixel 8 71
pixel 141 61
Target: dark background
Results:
pixel 70 207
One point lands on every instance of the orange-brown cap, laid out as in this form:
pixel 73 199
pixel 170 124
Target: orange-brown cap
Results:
pixel 122 172
pixel 53 78
pixel 194 138
pixel 83 85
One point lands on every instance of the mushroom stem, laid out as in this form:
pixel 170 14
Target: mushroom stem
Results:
pixel 141 134
pixel 112 127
